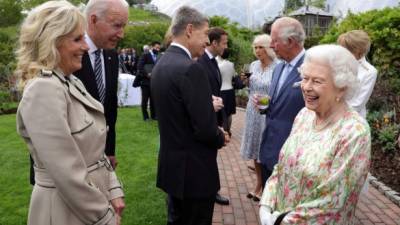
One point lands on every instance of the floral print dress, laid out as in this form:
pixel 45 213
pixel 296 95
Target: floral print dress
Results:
pixel 320 173
pixel 259 82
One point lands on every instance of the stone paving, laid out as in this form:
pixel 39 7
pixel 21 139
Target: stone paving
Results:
pixel 237 180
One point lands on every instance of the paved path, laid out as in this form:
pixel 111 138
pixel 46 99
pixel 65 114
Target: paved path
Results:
pixel 237 180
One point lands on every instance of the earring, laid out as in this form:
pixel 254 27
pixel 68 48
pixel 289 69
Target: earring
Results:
pixel 337 99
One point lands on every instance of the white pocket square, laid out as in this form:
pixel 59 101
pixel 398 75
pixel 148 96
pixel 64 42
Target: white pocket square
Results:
pixel 296 84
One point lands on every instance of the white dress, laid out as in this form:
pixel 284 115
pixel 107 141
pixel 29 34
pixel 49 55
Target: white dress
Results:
pixel 259 82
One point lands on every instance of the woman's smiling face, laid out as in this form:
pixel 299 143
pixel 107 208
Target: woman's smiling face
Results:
pixel 319 91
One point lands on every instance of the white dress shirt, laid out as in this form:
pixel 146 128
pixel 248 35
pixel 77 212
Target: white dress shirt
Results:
pixel 92 56
pixel 288 69
pixel 182 47
pixel 367 77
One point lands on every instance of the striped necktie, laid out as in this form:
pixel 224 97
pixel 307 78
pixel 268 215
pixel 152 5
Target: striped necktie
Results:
pixel 98 72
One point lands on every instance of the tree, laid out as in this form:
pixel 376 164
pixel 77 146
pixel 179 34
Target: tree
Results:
pixel 10 12
pixel 29 4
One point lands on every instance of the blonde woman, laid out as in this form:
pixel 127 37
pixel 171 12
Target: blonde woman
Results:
pixel 63 126
pixel 358 43
pixel 259 83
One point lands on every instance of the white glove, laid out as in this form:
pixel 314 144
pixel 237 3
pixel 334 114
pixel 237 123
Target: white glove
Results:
pixel 266 217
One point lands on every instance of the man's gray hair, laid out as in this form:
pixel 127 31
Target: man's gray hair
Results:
pixel 290 28
pixel 186 15
pixel 100 7
pixel 341 62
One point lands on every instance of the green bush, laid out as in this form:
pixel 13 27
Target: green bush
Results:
pixel 240 40
pixel 7 58
pixel 139 35
pixel 383 28
pixel 384 129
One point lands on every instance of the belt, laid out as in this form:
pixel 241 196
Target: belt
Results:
pixel 43 179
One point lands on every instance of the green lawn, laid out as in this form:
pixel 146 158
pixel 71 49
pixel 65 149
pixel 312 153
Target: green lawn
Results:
pixel 137 147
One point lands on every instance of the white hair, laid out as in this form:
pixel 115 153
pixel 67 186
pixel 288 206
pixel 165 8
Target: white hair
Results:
pixel 290 28
pixel 341 62
pixel 100 7
pixel 265 41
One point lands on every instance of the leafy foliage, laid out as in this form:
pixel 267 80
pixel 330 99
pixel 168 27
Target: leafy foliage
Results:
pixel 383 28
pixel 10 11
pixel 7 58
pixel 240 40
pixel 138 35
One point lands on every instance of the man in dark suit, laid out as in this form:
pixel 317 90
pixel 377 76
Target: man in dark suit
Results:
pixel 145 65
pixel 99 72
pixel 218 42
pixel 189 135
pixel 287 39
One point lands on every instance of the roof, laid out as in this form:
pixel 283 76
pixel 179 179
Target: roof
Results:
pixel 309 10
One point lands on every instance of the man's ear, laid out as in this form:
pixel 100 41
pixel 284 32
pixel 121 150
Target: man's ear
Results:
pixel 214 43
pixel 93 19
pixel 189 30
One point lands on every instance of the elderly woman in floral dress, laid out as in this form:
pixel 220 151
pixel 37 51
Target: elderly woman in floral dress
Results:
pixel 324 162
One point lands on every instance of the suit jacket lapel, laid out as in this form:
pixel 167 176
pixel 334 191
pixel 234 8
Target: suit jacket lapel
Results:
pixel 87 76
pixel 211 67
pixel 107 66
pixel 293 75
pixel 275 79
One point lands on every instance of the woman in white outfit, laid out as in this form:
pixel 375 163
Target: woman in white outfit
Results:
pixel 227 70
pixel 358 43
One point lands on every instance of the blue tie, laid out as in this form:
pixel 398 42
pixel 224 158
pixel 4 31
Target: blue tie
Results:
pixel 98 72
pixel 283 76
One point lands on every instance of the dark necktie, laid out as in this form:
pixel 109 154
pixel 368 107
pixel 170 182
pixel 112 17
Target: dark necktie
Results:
pixel 98 72
pixel 214 62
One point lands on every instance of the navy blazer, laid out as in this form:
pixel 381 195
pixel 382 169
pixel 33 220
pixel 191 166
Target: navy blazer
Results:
pixel 86 75
pixel 280 114
pixel 215 80
pixel 146 59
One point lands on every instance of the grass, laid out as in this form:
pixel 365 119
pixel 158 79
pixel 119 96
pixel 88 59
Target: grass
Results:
pixel 148 16
pixel 137 150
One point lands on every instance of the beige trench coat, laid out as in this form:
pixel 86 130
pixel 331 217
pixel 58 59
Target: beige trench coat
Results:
pixel 65 130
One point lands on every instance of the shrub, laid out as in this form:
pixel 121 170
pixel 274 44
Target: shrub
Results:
pixel 138 35
pixel 384 129
pixel 383 28
pixel 240 40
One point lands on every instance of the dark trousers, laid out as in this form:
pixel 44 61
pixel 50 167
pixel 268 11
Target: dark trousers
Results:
pixel 265 174
pixel 31 171
pixel 190 211
pixel 146 96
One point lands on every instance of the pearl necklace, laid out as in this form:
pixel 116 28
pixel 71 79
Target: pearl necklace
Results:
pixel 328 121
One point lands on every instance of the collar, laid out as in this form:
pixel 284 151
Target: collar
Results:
pixel 209 54
pixel 297 58
pixel 183 48
pixel 90 43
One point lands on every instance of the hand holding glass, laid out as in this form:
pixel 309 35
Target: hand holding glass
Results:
pixel 261 100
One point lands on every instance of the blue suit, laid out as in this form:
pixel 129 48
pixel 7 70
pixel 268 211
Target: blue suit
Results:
pixel 280 114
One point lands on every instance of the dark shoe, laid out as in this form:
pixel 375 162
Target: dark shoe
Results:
pixel 250 195
pixel 256 198
pixel 221 200
pixel 251 168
